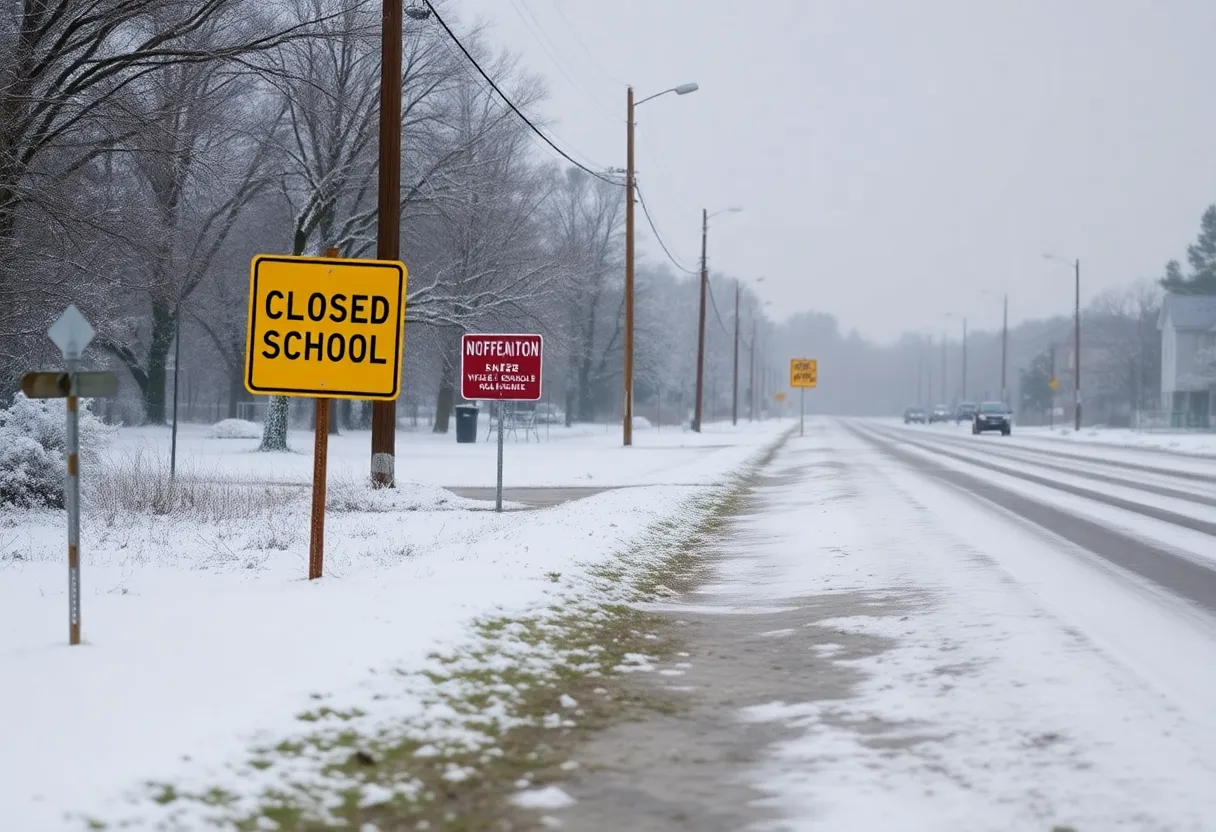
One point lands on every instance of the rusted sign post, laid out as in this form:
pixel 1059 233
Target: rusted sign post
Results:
pixel 72 333
pixel 324 328
pixel 501 368
pixel 320 479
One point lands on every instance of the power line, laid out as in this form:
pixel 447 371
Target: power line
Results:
pixel 714 303
pixel 657 236
pixel 511 103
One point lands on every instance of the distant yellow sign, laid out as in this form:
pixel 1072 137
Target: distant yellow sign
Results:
pixel 804 372
pixel 779 397
pixel 1053 383
pixel 325 327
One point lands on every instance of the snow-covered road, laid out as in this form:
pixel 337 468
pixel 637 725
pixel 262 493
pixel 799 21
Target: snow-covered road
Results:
pixel 915 630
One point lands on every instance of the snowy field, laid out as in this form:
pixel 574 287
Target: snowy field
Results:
pixel 1028 684
pixel 1198 443
pixel 202 637
pixel 562 456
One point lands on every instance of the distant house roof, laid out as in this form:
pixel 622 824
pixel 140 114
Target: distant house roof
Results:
pixel 1189 311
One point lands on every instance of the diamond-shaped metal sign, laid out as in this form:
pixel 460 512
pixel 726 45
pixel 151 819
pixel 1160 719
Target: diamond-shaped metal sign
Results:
pixel 72 332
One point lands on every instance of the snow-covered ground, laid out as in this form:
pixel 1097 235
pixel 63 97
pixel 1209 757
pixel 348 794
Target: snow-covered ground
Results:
pixel 562 456
pixel 202 636
pixel 1198 443
pixel 1029 685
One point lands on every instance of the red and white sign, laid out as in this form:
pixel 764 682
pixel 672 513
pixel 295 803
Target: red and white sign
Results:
pixel 501 367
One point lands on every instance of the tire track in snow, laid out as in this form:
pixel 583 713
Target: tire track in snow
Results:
pixel 1178 575
pixel 1164 515
pixel 1048 460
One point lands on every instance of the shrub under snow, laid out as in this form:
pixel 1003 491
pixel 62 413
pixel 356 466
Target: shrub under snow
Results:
pixel 32 439
pixel 235 429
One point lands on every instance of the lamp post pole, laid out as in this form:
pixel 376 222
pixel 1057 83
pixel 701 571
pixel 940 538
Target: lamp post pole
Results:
pixel 1005 349
pixel 1076 376
pixel 696 420
pixel 627 429
pixel 630 187
pixel 1076 370
pixel 734 384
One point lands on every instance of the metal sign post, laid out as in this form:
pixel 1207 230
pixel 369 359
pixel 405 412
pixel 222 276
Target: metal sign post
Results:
pixel 804 375
pixel 72 333
pixel 501 368
pixel 498 488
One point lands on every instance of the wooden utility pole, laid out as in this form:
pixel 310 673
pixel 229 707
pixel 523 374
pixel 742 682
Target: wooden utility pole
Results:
pixel 1076 375
pixel 751 374
pixel 964 398
pixel 734 385
pixel 696 421
pixel 388 220
pixel 627 427
pixel 1005 350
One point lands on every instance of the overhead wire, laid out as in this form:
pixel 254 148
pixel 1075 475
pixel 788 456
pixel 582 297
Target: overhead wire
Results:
pixel 657 235
pixel 714 303
pixel 511 104
pixel 548 141
pixel 533 25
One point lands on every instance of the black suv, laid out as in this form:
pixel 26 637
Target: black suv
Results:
pixel 915 414
pixel 965 413
pixel 992 416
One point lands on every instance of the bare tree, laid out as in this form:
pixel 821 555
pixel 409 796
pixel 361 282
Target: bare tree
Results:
pixel 68 69
pixel 1126 346
pixel 587 222
pixel 329 87
pixel 479 241
pixel 192 172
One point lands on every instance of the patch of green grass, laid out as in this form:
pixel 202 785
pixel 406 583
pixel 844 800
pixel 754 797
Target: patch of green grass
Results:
pixel 325 712
pixel 164 793
pixel 512 706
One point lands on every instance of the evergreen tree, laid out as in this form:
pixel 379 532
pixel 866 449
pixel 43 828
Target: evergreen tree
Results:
pixel 1202 257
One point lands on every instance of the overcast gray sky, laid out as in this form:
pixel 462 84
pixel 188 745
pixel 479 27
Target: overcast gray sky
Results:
pixel 895 157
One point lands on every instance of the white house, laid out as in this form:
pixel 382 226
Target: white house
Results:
pixel 1188 358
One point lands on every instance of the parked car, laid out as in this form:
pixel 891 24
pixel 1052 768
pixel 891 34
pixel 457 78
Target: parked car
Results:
pixel 992 416
pixel 940 413
pixel 965 412
pixel 915 414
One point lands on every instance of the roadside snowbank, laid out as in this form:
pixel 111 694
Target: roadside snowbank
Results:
pixel 203 639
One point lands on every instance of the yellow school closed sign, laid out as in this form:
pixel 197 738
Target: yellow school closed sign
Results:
pixel 804 372
pixel 325 327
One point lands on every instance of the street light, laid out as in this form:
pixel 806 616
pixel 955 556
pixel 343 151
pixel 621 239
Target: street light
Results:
pixel 734 402
pixel 752 403
pixel 683 89
pixel 705 215
pixel 1076 372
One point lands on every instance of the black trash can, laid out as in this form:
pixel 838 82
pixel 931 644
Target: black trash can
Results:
pixel 466 423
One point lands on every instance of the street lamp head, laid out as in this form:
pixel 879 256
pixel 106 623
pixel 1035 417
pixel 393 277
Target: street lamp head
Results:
pixel 685 89
pixel 735 210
